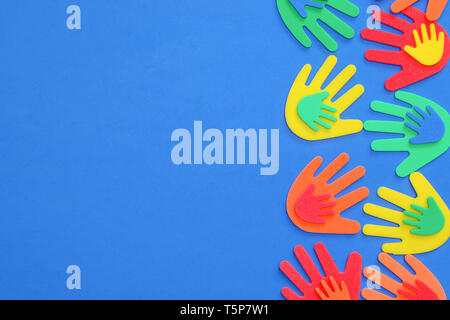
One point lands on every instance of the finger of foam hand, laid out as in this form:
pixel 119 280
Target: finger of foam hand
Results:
pixel 370 294
pixel 324 37
pixel 397 144
pixel 345 6
pixel 381 279
pixel 310 169
pixel 400 80
pixel 384 126
pixel 321 294
pixel 383 37
pixel 383 213
pixel 324 72
pixel 397 198
pixel 384 56
pixel 421 184
pixel 333 167
pixel 289 294
pixel 347 179
pixel 337 24
pixel 325 259
pixel 410 98
pixel 414 13
pixel 348 98
pixel 419 268
pixel 326 287
pixel 395 267
pixel 347 126
pixel 292 274
pixel 390 20
pixel 353 268
pixel 400 5
pixel 389 109
pixel 433 35
pixel 307 264
pixel 350 199
pixel 341 79
pixel 302 76
pixel 292 19
pixel 381 231
pixel 435 9
pixel 423 29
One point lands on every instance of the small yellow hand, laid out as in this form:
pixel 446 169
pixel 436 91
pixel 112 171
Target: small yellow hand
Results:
pixel 430 50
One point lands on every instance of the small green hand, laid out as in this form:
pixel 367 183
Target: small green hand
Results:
pixel 419 154
pixel 310 110
pixel 429 222
pixel 296 23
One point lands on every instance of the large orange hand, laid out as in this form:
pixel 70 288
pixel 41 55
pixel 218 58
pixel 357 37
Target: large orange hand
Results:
pixel 332 223
pixel 434 9
pixel 422 274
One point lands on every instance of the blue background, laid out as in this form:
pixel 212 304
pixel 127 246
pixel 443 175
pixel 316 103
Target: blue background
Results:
pixel 85 171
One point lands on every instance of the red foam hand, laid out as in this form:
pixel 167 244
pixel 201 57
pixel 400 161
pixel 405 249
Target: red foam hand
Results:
pixel 412 70
pixel 351 275
pixel 310 207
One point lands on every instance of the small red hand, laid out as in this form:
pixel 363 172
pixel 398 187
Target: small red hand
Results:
pixel 309 207
pixel 421 292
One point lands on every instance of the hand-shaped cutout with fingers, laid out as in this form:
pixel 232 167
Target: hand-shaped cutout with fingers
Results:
pixel 425 129
pixel 311 113
pixel 299 16
pixel 419 59
pixel 337 293
pixel 351 275
pixel 416 236
pixel 434 8
pixel 422 285
pixel 322 213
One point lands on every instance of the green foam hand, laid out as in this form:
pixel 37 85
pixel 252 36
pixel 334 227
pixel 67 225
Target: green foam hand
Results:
pixel 429 222
pixel 419 153
pixel 297 24
pixel 311 109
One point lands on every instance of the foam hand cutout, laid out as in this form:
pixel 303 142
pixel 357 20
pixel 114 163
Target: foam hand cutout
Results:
pixel 351 275
pixel 309 17
pixel 416 236
pixel 419 59
pixel 337 293
pixel 424 140
pixel 428 287
pixel 311 111
pixel 323 215
pixel 434 8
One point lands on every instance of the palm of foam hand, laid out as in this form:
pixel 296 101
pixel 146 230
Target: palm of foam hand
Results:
pixel 310 103
pixel 309 18
pixel 416 140
pixel 430 221
pixel 412 70
pixel 430 49
pixel 310 207
pixel 434 8
pixel 427 284
pixel 351 275
pixel 411 241
pixel 331 223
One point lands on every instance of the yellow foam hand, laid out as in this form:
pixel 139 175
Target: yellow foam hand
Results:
pixel 411 242
pixel 310 110
pixel 430 49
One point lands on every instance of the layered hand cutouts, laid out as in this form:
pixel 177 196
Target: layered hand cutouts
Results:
pixel 311 113
pixel 299 15
pixel 423 224
pixel 424 126
pixel 312 203
pixel 422 285
pixel 419 57
pixel 434 8
pixel 319 286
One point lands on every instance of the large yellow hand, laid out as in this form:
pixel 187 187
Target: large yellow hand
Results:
pixel 430 50
pixel 410 242
pixel 323 120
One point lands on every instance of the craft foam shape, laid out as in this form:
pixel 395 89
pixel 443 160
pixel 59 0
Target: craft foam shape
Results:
pixel 410 241
pixel 429 127
pixel 427 284
pixel 419 153
pixel 430 221
pixel 335 293
pixel 430 48
pixel 309 207
pixel 300 6
pixel 312 114
pixel 434 8
pixel 412 70
pixel 297 24
pixel 351 275
pixel 334 223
